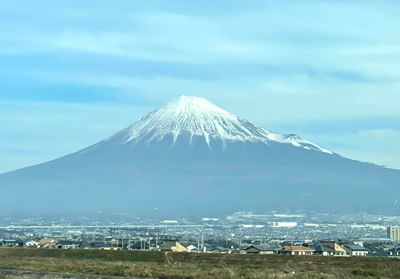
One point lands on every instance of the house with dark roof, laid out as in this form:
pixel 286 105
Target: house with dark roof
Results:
pixel 379 253
pixel 259 249
pixel 220 249
pixel 173 246
pixel 67 244
pixel 252 249
pixel 139 245
pixel 295 250
pixel 99 245
pixel 11 243
pixel 374 247
pixel 339 250
pixel 227 244
pixel 323 250
pixel 356 250
pixel 385 253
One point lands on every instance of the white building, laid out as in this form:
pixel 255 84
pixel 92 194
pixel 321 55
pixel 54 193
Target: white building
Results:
pixel 356 250
pixel 284 224
pixel 393 232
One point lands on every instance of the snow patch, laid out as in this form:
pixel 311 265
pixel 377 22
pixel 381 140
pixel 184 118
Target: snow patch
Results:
pixel 196 116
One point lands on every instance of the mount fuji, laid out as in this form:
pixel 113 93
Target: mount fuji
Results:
pixel 192 157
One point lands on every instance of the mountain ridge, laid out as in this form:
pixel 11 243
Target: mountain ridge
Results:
pixel 199 117
pixel 158 162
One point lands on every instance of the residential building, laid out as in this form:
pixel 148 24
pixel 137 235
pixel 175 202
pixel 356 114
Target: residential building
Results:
pixel 11 243
pixel 295 250
pixel 32 244
pixel 173 245
pixel 220 249
pixel 338 250
pixel 323 250
pixel 66 244
pixel 393 233
pixel 260 249
pixel 47 243
pixel 356 250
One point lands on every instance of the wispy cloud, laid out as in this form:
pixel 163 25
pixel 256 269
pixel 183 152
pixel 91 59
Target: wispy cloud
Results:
pixel 287 98
pixel 273 62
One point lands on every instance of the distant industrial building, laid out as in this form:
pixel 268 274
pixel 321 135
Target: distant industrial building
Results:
pixel 393 232
pixel 284 224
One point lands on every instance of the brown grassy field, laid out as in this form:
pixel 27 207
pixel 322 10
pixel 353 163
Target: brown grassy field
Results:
pixel 190 265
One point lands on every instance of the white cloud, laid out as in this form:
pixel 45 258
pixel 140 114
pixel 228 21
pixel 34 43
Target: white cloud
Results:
pixel 330 36
pixel 272 100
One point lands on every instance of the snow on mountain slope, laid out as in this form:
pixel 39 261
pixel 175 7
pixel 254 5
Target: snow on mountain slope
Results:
pixel 195 116
pixel 299 142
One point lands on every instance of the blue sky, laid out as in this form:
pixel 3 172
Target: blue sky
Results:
pixel 75 72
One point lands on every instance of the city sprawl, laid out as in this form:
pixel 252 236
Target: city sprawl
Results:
pixel 294 233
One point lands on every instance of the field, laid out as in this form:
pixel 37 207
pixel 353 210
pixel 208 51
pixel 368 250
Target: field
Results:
pixel 190 265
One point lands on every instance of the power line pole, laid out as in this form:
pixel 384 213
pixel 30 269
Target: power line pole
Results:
pixel 202 241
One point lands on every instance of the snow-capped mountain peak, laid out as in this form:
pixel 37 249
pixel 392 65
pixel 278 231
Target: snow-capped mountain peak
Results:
pixel 196 117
